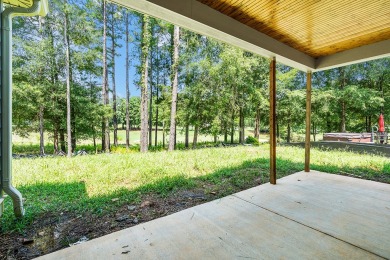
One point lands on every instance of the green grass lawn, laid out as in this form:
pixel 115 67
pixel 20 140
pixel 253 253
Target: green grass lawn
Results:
pixel 30 144
pixel 88 184
pixel 33 138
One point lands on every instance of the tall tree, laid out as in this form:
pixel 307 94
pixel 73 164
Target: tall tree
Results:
pixel 342 79
pixel 291 96
pixel 67 75
pixel 175 67
pixel 157 94
pixel 105 90
pixel 113 54
pixel 127 80
pixel 144 83
pixel 41 61
pixel 115 31
pixel 151 90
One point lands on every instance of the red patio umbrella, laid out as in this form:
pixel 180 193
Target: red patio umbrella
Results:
pixel 381 124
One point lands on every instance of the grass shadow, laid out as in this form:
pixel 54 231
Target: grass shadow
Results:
pixel 57 198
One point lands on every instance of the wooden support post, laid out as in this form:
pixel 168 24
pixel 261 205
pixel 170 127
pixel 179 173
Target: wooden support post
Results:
pixel 272 121
pixel 308 122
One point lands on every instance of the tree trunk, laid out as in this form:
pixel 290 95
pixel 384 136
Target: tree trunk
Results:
pixel 232 129
pixel 127 83
pixel 288 132
pixel 103 133
pixel 242 127
pixel 67 75
pixel 328 124
pixel 225 137
pixel 105 94
pixel 157 94
pixel 175 64
pixel 114 105
pixel 369 123
pixel 73 129
pixel 54 80
pixel 94 144
pixel 151 98
pixel 342 126
pixel 175 136
pixel 144 84
pixel 195 141
pixel 156 123
pixel 163 142
pixel 93 126
pixel 257 124
pixel 381 90
pixel 62 140
pixel 186 142
pixel 55 140
pixel 240 140
pixel 314 131
pixel 343 109
pixel 41 132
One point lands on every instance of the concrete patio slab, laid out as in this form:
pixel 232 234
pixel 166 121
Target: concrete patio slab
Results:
pixel 305 216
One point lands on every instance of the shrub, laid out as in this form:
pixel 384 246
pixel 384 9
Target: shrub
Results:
pixel 251 140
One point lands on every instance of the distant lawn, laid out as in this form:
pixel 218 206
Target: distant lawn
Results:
pixel 30 144
pixel 33 138
pixel 88 184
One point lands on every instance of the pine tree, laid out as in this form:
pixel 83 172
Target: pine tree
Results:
pixel 175 65
pixel 127 81
pixel 144 83
pixel 105 90
pixel 67 75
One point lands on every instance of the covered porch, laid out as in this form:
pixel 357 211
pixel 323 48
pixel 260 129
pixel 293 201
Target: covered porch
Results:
pixel 306 216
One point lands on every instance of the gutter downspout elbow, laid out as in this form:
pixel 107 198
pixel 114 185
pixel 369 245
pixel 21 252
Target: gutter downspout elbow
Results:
pixel 6 102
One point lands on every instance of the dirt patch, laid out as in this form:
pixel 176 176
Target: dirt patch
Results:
pixel 51 232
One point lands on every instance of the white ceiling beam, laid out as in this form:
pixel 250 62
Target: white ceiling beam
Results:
pixel 364 53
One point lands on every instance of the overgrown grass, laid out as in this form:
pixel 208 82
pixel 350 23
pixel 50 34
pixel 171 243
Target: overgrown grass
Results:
pixel 88 184
pixel 23 150
pixel 30 144
pixel 33 149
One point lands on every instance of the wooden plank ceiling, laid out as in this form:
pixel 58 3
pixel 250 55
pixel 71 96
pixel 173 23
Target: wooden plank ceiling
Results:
pixel 315 27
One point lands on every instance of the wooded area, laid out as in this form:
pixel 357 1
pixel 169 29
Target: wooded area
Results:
pixel 65 87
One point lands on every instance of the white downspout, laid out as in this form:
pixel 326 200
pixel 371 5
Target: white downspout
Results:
pixel 6 102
